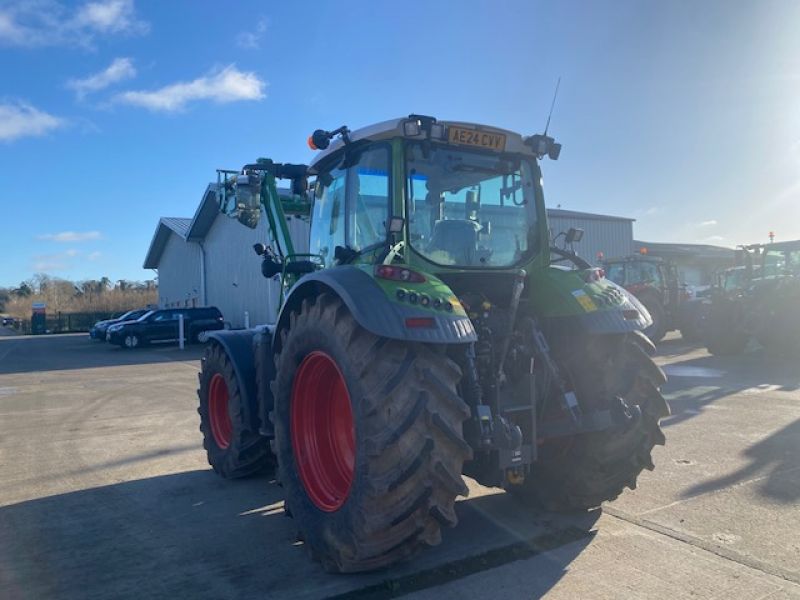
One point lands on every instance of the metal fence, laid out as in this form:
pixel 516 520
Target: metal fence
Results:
pixel 67 322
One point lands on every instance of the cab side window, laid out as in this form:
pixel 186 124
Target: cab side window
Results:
pixel 368 198
pixel 327 216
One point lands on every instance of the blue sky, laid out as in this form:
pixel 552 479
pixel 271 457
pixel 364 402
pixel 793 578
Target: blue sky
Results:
pixel 685 116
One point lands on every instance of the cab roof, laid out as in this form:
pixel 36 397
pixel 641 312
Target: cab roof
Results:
pixel 394 128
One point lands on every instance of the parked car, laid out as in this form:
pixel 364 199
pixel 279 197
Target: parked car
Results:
pixel 98 330
pixel 8 321
pixel 161 326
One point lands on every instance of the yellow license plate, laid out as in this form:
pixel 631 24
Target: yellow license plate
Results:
pixel 478 139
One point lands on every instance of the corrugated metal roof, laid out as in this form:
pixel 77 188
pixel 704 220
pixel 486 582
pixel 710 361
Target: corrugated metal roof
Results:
pixel 675 250
pixel 574 214
pixel 179 225
pixel 166 227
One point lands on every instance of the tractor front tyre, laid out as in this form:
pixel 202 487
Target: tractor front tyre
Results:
pixel 581 472
pixel 233 449
pixel 368 438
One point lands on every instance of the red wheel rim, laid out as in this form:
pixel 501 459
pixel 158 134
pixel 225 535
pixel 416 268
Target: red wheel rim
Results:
pixel 221 426
pixel 323 434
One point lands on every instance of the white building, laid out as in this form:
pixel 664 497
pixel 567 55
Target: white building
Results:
pixel 603 235
pixel 208 260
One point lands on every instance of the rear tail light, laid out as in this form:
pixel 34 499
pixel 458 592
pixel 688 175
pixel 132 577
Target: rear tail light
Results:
pixel 420 323
pixel 396 273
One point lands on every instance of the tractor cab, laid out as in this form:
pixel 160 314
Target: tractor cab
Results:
pixel 451 195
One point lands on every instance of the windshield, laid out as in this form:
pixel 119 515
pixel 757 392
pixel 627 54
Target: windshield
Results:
pixel 468 208
pixel 781 262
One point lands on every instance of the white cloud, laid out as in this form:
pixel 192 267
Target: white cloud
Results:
pixel 714 238
pixel 36 23
pixel 227 85
pixel 709 223
pixel 119 70
pixel 23 120
pixel 94 255
pixel 109 16
pixel 71 236
pixel 252 39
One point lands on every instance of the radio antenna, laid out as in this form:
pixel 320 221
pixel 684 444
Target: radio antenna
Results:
pixel 552 106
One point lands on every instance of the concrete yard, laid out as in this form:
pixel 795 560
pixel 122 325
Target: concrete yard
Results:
pixel 105 492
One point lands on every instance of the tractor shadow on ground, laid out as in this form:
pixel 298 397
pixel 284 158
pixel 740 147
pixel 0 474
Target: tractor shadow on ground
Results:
pixel 31 354
pixel 194 535
pixel 773 460
pixel 696 384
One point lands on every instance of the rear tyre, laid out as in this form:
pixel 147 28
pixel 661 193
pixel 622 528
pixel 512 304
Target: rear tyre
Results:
pixel 368 438
pixel 579 473
pixel 658 329
pixel 724 336
pixel 233 448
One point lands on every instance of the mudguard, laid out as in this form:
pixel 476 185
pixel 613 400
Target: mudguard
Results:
pixel 238 346
pixel 375 307
pixel 565 301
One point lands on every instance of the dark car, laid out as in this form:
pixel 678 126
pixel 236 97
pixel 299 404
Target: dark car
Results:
pixel 161 326
pixel 98 330
pixel 8 321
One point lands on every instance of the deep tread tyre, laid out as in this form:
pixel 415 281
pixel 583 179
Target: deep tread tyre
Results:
pixel 233 449
pixel 408 449
pixel 723 335
pixel 582 472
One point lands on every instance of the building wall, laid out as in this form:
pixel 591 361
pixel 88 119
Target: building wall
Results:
pixel 610 236
pixel 179 274
pixel 234 283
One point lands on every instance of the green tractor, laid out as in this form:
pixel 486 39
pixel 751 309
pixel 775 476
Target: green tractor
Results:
pixel 430 332
pixel 757 300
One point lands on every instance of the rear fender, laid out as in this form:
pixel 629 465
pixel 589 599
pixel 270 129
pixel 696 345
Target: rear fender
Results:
pixel 564 300
pixel 238 346
pixel 375 306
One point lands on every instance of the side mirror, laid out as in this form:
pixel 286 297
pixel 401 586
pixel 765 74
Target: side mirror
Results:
pixel 574 235
pixel 396 224
pixel 245 203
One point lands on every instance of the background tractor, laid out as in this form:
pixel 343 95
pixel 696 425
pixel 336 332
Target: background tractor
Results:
pixel 655 282
pixel 757 300
pixel 428 334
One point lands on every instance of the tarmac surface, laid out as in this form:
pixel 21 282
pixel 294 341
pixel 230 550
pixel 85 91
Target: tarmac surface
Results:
pixel 105 492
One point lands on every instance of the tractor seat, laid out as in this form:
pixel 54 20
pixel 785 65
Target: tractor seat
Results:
pixel 456 237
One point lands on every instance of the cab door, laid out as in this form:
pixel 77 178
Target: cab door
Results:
pixel 327 214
